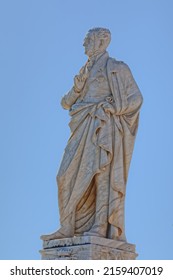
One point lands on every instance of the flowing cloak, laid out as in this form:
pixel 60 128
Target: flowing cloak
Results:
pixel 102 134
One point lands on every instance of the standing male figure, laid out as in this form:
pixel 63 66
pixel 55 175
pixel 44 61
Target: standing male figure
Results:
pixel 104 107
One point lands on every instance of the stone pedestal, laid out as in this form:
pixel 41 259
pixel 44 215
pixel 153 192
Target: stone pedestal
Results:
pixel 87 248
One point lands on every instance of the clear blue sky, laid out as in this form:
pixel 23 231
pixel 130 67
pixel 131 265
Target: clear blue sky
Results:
pixel 40 52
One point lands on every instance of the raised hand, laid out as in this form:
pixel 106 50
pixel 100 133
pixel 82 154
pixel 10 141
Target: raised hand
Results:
pixel 79 80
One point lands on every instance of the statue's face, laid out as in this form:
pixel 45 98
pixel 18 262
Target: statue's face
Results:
pixel 91 44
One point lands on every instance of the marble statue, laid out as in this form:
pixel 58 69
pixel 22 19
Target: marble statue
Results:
pixel 104 105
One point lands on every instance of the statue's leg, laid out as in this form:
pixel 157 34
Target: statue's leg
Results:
pixel 100 225
pixel 85 210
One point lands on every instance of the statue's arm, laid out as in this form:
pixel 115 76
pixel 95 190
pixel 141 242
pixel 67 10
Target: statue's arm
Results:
pixel 79 81
pixel 132 92
pixel 69 99
pixel 126 93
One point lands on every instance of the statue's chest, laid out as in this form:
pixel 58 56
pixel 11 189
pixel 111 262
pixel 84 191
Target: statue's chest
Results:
pixel 97 83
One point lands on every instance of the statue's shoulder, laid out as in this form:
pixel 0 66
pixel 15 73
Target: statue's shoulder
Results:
pixel 116 65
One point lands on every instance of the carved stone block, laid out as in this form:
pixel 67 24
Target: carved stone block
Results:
pixel 87 248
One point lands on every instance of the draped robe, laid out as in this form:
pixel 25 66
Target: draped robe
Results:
pixel 104 121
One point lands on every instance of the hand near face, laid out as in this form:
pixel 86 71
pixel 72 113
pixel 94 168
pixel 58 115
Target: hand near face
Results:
pixel 79 80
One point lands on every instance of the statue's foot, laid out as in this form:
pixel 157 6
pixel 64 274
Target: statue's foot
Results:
pixel 59 234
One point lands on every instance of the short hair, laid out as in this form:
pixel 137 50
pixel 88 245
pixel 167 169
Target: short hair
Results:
pixel 102 33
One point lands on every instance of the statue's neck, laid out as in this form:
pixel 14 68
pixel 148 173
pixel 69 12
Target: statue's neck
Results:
pixel 96 55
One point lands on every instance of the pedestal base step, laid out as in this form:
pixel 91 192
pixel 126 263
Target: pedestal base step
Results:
pixel 87 248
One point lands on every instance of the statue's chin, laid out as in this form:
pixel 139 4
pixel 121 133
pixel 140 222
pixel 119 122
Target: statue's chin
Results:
pixel 88 53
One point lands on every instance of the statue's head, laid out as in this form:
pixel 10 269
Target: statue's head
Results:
pixel 96 41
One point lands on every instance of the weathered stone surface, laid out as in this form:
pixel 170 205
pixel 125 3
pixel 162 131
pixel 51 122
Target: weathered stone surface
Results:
pixel 104 105
pixel 87 248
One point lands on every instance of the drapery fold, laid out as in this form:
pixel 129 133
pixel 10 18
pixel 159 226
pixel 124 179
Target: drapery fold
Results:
pixel 102 134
